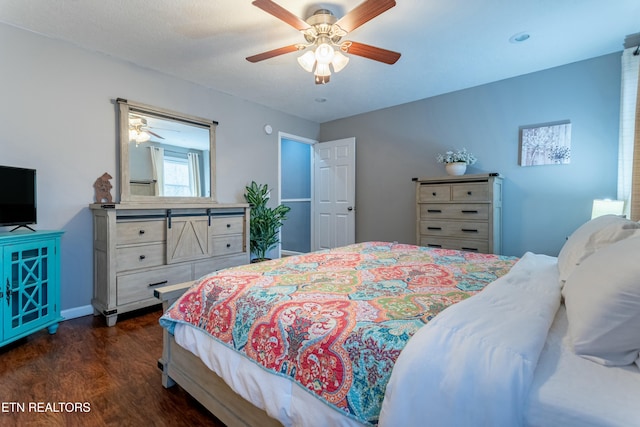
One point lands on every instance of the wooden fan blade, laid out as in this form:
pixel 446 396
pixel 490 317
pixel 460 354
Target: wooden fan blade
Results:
pixel 363 13
pixel 281 13
pixel 270 54
pixel 370 52
pixel 153 133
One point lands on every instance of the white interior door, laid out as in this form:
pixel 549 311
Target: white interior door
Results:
pixel 334 194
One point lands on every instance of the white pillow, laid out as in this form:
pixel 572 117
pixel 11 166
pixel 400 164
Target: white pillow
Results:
pixel 591 236
pixel 602 297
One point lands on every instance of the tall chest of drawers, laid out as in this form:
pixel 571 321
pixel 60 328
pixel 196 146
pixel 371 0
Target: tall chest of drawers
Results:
pixel 460 212
pixel 139 248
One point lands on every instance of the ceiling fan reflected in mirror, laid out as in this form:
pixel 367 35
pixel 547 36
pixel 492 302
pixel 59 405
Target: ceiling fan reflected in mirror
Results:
pixel 324 33
pixel 139 130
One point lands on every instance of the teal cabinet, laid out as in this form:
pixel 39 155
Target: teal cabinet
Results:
pixel 30 287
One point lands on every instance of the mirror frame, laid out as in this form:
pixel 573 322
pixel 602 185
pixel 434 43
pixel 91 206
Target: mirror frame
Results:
pixel 125 107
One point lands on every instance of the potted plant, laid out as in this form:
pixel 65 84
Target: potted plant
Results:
pixel 456 161
pixel 264 222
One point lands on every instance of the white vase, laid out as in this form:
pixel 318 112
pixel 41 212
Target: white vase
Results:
pixel 456 168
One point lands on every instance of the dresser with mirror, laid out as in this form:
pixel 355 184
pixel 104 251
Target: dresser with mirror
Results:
pixel 167 226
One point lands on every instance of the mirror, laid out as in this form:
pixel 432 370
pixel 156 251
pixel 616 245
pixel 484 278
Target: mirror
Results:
pixel 165 157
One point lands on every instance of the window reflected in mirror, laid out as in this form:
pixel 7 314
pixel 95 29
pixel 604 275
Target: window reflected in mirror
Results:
pixel 167 158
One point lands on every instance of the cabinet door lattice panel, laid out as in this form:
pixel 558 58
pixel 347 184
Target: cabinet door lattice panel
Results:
pixel 30 273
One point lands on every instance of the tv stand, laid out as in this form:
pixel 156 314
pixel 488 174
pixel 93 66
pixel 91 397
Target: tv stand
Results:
pixel 23 225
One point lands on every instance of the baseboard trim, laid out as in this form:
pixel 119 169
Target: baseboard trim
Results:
pixel 72 313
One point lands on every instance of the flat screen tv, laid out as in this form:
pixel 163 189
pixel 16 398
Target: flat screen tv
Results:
pixel 17 196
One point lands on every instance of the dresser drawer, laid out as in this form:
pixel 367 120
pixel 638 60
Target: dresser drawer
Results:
pixel 227 225
pixel 226 245
pixel 470 192
pixel 210 265
pixel 456 244
pixel 131 232
pixel 140 256
pixel 472 211
pixel 136 287
pixel 435 193
pixel 463 229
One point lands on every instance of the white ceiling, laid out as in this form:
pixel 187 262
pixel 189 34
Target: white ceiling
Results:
pixel 446 45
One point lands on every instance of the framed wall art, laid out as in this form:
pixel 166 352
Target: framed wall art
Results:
pixel 545 144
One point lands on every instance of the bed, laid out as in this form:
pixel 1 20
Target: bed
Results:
pixel 410 336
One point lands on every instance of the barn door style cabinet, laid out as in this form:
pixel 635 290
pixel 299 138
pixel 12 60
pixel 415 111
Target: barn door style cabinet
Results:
pixel 138 248
pixel 460 212
pixel 30 290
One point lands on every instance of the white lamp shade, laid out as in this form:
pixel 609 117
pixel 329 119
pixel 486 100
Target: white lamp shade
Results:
pixel 607 207
pixel 307 61
pixel 324 53
pixel 322 70
pixel 339 61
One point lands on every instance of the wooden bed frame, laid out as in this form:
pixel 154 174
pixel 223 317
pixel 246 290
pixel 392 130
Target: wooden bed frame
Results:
pixel 180 366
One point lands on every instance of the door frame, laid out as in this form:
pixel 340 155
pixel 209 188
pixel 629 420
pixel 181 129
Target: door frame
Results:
pixel 302 140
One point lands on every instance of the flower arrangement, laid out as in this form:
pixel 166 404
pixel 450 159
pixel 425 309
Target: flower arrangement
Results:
pixel 457 156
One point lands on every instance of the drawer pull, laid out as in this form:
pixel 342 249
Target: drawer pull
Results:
pixel 433 245
pixel 468 193
pixel 434 211
pixel 228 245
pixel 433 194
pixel 142 257
pixel 228 225
pixel 434 228
pixel 164 282
pixel 469 211
pixel 469 230
pixel 470 249
pixel 141 232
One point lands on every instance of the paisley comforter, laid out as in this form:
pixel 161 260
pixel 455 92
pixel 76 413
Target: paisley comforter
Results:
pixel 334 321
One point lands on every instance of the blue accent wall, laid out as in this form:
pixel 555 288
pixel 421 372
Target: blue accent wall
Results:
pixel 542 204
pixel 296 184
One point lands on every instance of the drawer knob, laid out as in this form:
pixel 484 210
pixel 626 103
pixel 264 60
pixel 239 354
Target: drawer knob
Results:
pixel 468 193
pixel 142 257
pixel 141 232
pixel 434 193
pixel 228 225
pixel 228 245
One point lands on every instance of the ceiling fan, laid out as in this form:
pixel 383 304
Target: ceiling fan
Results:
pixel 324 32
pixel 139 130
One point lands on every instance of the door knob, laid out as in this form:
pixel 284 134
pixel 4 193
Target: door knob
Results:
pixel 350 208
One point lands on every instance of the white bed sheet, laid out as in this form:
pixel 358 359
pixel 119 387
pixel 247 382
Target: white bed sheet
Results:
pixel 568 390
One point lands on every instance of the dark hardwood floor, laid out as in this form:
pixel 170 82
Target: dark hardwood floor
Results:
pixel 88 374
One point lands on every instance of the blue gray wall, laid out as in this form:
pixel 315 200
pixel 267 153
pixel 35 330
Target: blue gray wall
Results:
pixel 542 204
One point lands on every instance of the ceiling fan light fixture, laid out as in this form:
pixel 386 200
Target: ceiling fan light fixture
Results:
pixel 307 61
pixel 321 80
pixel 339 61
pixel 322 70
pixel 324 53
pixel 138 136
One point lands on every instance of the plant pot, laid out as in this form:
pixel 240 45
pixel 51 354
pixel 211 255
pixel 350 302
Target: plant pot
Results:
pixel 456 168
